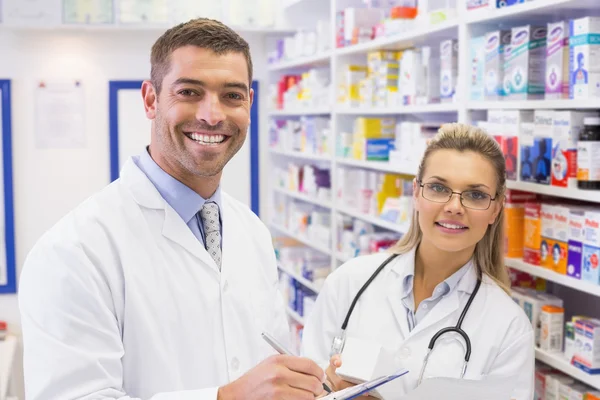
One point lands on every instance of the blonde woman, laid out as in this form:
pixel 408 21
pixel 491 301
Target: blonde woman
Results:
pixel 446 272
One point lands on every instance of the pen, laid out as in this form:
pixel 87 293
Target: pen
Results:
pixel 282 350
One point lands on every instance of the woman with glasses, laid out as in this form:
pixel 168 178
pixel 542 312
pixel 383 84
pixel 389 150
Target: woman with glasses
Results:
pixel 450 260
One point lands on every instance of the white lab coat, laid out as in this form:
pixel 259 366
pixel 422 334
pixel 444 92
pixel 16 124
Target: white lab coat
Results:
pixel 501 335
pixel 120 300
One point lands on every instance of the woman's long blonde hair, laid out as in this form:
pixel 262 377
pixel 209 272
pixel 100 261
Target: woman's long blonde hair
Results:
pixel 489 251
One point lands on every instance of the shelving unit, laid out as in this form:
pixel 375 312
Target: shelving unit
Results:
pixel 299 155
pixel 303 197
pixel 303 240
pixel 295 316
pixel 467 25
pixel 300 279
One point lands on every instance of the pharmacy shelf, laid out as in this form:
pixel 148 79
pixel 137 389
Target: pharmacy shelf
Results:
pixel 303 197
pixel 302 62
pixel 155 28
pixel 416 109
pixel 530 11
pixel 565 104
pixel 300 155
pixel 303 240
pixel 558 361
pixel 382 166
pixel 299 278
pixel 428 34
pixel 552 276
pixel 298 112
pixel 295 316
pixel 373 220
pixel 548 190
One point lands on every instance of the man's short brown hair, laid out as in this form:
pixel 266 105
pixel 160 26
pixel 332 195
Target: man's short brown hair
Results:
pixel 201 32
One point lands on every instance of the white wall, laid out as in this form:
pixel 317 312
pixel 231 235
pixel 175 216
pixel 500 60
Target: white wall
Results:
pixel 49 183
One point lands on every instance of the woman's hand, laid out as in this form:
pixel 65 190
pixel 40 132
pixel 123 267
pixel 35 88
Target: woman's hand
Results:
pixel 334 381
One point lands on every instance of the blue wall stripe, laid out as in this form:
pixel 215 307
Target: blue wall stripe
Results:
pixel 9 228
pixel 113 121
pixel 113 124
pixel 254 154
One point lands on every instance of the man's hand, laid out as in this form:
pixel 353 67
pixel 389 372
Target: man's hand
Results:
pixel 279 377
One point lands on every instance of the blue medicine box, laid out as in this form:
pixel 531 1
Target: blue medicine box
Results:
pixel 378 149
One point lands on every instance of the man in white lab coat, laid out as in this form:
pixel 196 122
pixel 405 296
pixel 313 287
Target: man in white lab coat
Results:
pixel 159 286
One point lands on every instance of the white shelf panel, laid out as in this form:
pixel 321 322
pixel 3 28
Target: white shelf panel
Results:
pixel 295 316
pixel 565 104
pixel 528 11
pixel 303 281
pixel 552 276
pixel 298 112
pixel 318 59
pixel 304 156
pixel 567 193
pixel 430 33
pixel 302 240
pixel 413 109
pixel 303 197
pixel 374 220
pixel 383 166
pixel 558 361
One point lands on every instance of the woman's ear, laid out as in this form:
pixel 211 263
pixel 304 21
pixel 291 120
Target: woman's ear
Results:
pixel 416 193
pixel 498 206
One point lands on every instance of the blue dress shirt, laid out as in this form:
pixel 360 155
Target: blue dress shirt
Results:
pixel 442 289
pixel 185 201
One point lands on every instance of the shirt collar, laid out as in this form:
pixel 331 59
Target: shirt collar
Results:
pixel 185 201
pixel 407 275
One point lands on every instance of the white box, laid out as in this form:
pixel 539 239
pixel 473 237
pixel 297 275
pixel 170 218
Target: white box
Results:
pixel 584 66
pixel 448 69
pixel 527 62
pixel 557 61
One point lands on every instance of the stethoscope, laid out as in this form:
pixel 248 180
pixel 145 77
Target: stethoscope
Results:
pixel 337 346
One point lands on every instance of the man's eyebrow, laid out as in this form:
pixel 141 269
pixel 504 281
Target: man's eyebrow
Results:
pixel 196 82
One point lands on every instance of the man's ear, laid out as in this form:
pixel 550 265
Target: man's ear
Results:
pixel 150 98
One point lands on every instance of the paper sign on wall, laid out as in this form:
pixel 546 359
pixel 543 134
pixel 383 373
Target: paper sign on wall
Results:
pixel 147 11
pixel 88 11
pixel 59 115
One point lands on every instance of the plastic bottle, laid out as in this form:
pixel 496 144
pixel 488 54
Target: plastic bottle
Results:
pixel 588 155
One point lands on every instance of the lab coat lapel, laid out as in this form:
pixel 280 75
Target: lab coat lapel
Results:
pixel 174 228
pixel 394 290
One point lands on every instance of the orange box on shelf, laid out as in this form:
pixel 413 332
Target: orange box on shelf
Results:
pixel 514 222
pixel 403 12
pixel 532 233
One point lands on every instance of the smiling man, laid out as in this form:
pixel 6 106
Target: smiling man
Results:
pixel 160 286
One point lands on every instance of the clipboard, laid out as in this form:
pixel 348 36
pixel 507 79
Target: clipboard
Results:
pixel 364 388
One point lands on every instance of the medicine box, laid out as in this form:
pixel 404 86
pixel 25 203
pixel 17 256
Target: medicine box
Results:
pixel 575 243
pixel 587 336
pixel 566 128
pixel 527 62
pixel 542 146
pixel 560 240
pixel 514 220
pixel 511 121
pixel 547 225
pixel 557 61
pixel 494 76
pixel 532 305
pixel 532 233
pixel 584 58
pixel 448 69
pixel 591 248
pixel 526 141
pixel 477 60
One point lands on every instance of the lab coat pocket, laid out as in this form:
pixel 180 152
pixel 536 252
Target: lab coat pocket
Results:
pixel 447 357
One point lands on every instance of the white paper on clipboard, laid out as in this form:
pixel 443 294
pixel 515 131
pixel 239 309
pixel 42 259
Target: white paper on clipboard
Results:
pixel 363 388
pixel 463 389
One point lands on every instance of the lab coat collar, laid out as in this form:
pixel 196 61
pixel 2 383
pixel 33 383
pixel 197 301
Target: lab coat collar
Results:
pixel 174 228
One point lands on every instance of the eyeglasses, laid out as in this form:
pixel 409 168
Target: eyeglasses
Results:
pixel 473 199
